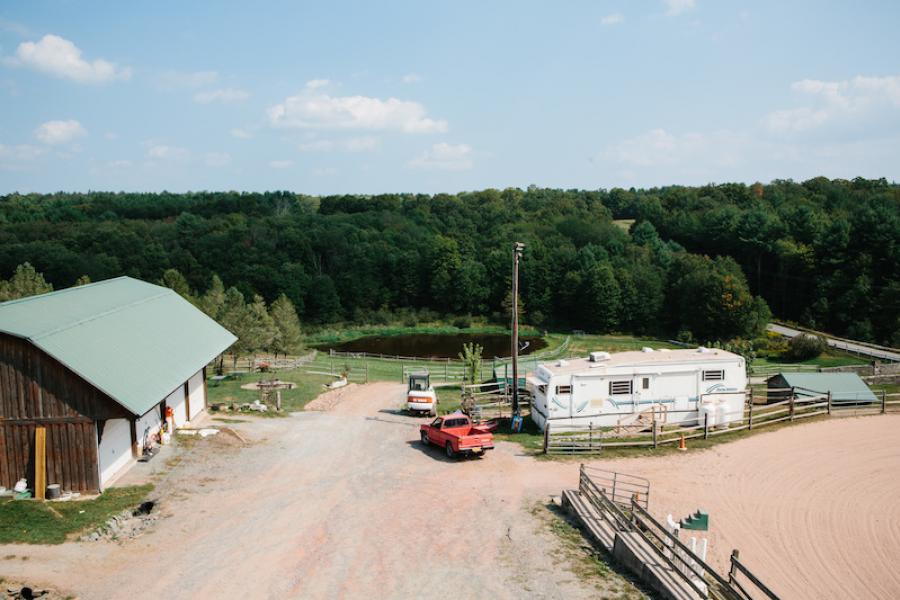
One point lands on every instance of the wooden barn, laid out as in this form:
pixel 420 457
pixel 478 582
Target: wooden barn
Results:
pixel 97 366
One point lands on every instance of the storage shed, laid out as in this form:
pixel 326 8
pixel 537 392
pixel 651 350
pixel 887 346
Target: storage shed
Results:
pixel 844 387
pixel 97 366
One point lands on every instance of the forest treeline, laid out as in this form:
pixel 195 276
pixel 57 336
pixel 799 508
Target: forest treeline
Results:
pixel 705 263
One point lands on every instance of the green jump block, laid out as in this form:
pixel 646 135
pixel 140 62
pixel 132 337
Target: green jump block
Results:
pixel 699 521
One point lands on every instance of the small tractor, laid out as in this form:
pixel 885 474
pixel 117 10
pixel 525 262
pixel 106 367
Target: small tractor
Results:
pixel 420 396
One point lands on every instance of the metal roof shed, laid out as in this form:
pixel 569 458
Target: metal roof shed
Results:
pixel 97 358
pixel 844 387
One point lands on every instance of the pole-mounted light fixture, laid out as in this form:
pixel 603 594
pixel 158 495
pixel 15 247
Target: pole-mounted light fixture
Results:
pixel 518 248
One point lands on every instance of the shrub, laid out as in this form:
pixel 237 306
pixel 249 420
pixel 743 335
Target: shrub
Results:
pixel 805 347
pixel 463 322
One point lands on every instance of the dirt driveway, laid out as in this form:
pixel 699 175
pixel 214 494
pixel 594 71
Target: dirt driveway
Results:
pixel 344 503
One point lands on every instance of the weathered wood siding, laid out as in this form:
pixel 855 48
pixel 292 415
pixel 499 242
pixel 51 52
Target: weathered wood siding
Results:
pixel 36 389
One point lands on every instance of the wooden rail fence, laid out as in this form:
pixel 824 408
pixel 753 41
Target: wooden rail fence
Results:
pixel 590 439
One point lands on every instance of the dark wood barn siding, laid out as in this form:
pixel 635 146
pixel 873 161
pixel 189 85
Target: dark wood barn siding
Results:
pixel 36 389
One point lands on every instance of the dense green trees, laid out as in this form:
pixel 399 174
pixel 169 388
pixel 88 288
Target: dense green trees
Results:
pixel 25 281
pixel 823 252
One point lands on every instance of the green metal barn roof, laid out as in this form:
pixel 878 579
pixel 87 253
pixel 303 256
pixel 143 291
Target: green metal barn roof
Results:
pixel 134 341
pixel 843 386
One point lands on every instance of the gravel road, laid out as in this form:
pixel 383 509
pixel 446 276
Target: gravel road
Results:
pixel 346 503
pixel 338 504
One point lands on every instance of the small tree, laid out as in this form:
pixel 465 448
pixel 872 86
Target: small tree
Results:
pixel 174 280
pixel 805 346
pixel 83 280
pixel 26 281
pixel 471 358
pixel 213 301
pixel 287 326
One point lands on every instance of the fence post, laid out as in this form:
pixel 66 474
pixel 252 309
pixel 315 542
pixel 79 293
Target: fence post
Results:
pixel 883 401
pixel 829 403
pixel 655 431
pixel 367 371
pixel 750 416
pixel 590 435
pixel 332 362
pixel 706 426
pixel 793 397
pixel 735 555
pixel 446 368
pixel 401 372
pixel 546 436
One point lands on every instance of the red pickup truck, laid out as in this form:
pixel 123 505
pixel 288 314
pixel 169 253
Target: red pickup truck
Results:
pixel 456 434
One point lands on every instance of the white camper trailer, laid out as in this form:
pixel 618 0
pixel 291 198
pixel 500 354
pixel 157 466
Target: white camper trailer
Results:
pixel 626 388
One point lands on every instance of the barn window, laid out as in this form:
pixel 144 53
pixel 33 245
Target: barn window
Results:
pixel 717 375
pixel 619 387
pixel 563 389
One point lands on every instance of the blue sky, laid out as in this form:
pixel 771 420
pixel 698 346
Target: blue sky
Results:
pixel 367 97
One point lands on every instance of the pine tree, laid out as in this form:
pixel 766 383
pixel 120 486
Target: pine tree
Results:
pixel 213 301
pixel 83 280
pixel 288 335
pixel 174 280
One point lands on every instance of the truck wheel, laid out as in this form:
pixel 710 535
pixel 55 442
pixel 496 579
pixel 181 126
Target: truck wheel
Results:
pixel 449 450
pixel 424 439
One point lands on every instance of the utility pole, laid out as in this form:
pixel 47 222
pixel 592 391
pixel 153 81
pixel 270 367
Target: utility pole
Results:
pixel 517 254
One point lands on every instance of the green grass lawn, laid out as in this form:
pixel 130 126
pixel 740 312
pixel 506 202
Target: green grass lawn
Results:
pixel 350 333
pixel 826 359
pixel 34 522
pixel 307 387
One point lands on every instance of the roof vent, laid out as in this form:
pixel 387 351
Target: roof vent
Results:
pixel 595 357
pixel 646 349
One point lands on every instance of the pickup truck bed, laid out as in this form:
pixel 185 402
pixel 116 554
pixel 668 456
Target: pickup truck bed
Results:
pixel 456 434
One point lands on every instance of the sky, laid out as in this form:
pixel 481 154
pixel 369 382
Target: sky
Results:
pixel 444 96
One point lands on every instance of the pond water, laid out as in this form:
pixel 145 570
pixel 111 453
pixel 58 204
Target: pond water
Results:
pixel 425 345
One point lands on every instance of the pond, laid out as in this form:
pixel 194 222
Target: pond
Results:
pixel 441 345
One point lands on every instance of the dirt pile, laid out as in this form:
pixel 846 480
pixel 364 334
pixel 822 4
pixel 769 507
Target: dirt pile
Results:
pixel 332 398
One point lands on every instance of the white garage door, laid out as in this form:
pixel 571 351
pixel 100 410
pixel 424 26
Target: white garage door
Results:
pixel 176 402
pixel 115 448
pixel 197 394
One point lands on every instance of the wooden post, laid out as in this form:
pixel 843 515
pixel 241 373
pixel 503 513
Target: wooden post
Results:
pixel 40 462
pixel 546 436
pixel 367 371
pixel 735 555
pixel 655 430
pixel 447 368
pixel 883 401
pixel 750 416
pixel 590 435
pixel 278 400
pixel 791 405
pixel 332 362
pixel 706 426
pixel 829 402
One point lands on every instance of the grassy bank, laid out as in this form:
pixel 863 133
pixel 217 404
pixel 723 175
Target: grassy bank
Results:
pixel 33 522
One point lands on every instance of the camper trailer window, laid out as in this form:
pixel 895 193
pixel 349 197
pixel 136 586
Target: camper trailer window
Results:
pixel 619 387
pixel 563 389
pixel 718 375
pixel 646 383
pixel 542 389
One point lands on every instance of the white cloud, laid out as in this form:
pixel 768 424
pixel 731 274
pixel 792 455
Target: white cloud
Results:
pixel 613 19
pixel 852 106
pixel 281 164
pixel 163 152
pixel 111 135
pixel 241 134
pixel 445 157
pixel 119 164
pixel 676 7
pixel 225 96
pixel 20 152
pixel 217 159
pixel 314 109
pixel 659 147
pixel 356 144
pixel 59 132
pixel 315 84
pixel 59 57
pixel 410 78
